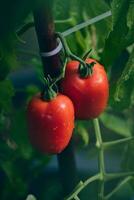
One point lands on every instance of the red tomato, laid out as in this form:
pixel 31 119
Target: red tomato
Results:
pixel 89 95
pixel 50 123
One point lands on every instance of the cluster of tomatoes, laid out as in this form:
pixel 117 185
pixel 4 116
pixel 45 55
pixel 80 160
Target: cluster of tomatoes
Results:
pixel 51 122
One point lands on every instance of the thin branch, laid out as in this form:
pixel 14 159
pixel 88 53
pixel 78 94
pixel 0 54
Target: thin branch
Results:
pixel 118 187
pixel 25 28
pixel 112 176
pixel 81 186
pixel 117 142
pixel 76 198
pixel 101 162
pixel 64 21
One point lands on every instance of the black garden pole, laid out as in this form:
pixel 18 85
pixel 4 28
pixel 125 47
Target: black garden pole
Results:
pixel 44 27
pixel 45 30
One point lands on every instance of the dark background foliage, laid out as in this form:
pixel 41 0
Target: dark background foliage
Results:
pixel 23 170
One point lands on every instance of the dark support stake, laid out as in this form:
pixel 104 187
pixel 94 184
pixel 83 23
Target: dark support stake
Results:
pixel 44 26
pixel 67 167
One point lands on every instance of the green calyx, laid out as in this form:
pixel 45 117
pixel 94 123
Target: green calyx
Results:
pixel 50 90
pixel 49 94
pixel 86 70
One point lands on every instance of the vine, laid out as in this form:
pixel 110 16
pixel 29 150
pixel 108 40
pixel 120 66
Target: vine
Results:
pixel 11 119
pixel 103 176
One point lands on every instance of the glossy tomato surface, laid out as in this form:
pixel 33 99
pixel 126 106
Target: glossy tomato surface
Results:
pixel 89 95
pixel 50 123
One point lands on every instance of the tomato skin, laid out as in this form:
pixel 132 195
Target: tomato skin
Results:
pixel 89 95
pixel 50 123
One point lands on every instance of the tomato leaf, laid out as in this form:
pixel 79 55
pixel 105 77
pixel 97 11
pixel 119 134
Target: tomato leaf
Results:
pixel 6 94
pixel 124 87
pixel 115 42
pixel 83 134
pixel 8 59
pixel 24 147
pixel 116 124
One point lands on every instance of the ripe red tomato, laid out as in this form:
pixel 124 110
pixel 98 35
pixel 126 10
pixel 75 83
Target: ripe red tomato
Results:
pixel 50 123
pixel 89 95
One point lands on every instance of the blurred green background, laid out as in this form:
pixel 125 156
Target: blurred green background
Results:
pixel 25 171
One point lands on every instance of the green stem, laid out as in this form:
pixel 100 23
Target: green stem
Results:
pixel 49 92
pixel 119 186
pixel 82 185
pixel 24 28
pixel 63 21
pixel 102 176
pixel 85 69
pixel 112 176
pixel 86 55
pixel 76 198
pixel 31 24
pixel 117 142
pixel 61 75
pixel 101 162
pixel 67 50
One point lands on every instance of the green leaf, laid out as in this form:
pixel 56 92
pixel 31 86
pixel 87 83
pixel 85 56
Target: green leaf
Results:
pixel 99 31
pixel 38 68
pixel 19 133
pixel 127 163
pixel 83 134
pixel 2 122
pixel 6 94
pixel 14 180
pixel 129 39
pixel 8 59
pixel 125 83
pixel 31 90
pixel 12 14
pixel 115 43
pixel 116 124
pixel 131 14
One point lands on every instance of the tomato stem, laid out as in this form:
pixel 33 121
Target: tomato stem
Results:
pixel 81 185
pixel 103 176
pixel 99 144
pixel 118 187
pixel 86 55
pixel 107 145
pixel 51 88
pixel 85 69
pixel 60 76
pixel 67 50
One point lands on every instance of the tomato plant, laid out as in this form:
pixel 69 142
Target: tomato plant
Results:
pixel 108 29
pixel 50 123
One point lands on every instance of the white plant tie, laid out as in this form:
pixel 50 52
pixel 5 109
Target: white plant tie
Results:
pixel 53 52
